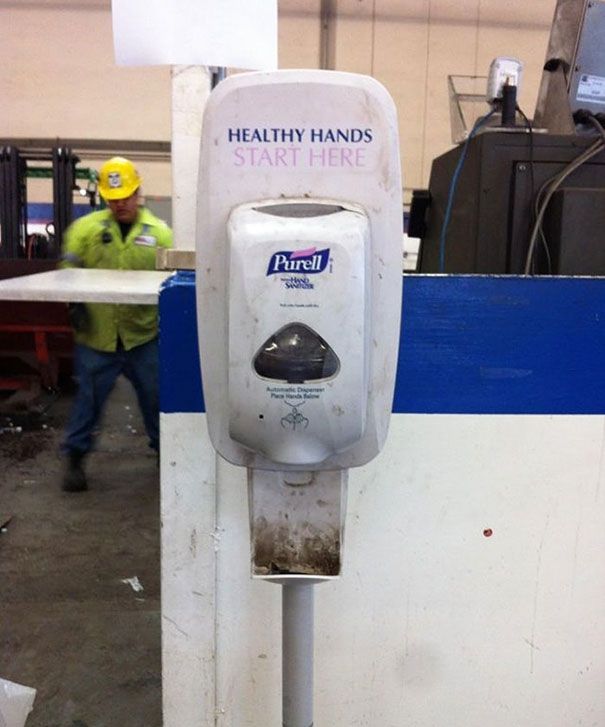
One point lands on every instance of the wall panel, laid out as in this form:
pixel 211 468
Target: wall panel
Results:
pixel 63 80
pixel 354 31
pixel 401 44
pixel 299 33
pixel 60 78
pixel 452 50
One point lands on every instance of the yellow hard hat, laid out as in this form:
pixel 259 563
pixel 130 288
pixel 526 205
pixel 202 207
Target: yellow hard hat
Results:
pixel 118 179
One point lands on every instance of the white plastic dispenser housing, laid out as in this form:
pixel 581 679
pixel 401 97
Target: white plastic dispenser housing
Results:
pixel 298 334
pixel 299 264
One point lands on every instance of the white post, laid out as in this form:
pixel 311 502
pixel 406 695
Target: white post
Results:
pixel 190 90
pixel 187 498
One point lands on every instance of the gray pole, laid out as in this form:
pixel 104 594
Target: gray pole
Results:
pixel 297 654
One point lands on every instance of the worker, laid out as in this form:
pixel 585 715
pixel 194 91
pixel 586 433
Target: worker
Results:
pixel 112 339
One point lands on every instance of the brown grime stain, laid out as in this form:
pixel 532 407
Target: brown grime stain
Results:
pixel 278 551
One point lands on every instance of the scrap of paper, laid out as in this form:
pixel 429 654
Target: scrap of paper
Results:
pixel 229 33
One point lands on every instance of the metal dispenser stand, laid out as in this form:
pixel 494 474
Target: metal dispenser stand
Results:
pixel 297 534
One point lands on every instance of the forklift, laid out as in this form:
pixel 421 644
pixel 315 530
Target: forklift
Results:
pixel 36 341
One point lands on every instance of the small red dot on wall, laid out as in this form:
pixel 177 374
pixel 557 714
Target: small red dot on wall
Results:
pixel 488 532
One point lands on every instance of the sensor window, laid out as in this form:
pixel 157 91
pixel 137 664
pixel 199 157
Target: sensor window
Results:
pixel 296 354
pixel 299 209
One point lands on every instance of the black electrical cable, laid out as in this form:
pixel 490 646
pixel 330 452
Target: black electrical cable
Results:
pixel 452 190
pixel 508 105
pixel 532 176
pixel 532 181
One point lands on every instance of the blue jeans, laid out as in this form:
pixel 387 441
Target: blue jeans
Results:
pixel 96 372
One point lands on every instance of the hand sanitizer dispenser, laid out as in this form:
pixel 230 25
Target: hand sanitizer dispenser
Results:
pixel 298 335
pixel 299 272
pixel 299 264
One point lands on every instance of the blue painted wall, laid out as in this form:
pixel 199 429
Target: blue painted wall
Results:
pixel 180 381
pixel 43 211
pixel 469 345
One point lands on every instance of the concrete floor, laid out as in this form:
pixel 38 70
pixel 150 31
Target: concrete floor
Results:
pixel 69 625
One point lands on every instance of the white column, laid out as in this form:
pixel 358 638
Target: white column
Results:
pixel 187 485
pixel 190 91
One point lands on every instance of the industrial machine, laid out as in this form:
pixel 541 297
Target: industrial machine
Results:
pixel 36 337
pixel 299 255
pixel 523 197
pixel 58 164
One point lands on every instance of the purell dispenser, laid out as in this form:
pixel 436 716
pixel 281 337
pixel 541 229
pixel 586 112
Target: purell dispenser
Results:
pixel 298 334
pixel 299 273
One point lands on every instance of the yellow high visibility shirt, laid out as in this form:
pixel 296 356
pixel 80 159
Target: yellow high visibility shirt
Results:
pixel 95 241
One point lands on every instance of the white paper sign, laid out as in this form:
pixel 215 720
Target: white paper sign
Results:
pixel 230 33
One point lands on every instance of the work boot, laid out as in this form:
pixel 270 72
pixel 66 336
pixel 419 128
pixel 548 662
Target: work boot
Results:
pixel 74 479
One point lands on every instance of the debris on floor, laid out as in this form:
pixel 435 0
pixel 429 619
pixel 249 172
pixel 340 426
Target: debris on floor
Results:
pixel 5 521
pixel 16 702
pixel 89 644
pixel 134 583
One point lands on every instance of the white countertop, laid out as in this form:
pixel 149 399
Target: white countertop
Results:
pixel 86 286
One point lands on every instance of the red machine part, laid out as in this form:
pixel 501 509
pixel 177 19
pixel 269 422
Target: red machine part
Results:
pixel 36 342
